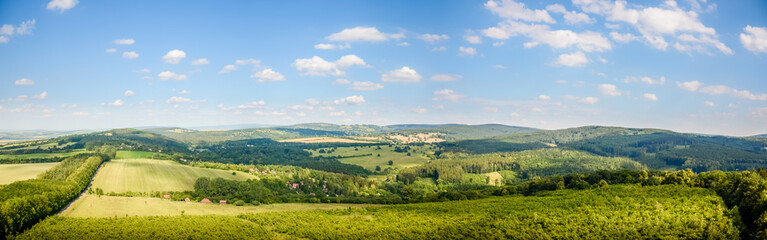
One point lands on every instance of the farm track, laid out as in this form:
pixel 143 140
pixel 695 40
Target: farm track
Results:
pixel 84 190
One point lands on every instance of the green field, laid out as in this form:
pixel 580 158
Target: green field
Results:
pixel 42 155
pixel 614 212
pixel 133 154
pixel 147 175
pixel 108 206
pixel 418 156
pixel 15 172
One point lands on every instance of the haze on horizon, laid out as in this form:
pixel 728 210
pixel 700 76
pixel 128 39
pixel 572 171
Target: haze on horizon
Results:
pixel 689 65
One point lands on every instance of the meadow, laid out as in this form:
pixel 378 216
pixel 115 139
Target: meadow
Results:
pixel 110 206
pixel 324 140
pixel 614 212
pixel 42 155
pixel 16 172
pixel 367 156
pixel 147 175
pixel 133 154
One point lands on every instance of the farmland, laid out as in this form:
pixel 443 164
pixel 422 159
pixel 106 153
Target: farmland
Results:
pixel 147 175
pixel 109 206
pixel 15 172
pixel 41 155
pixel 325 140
pixel 368 156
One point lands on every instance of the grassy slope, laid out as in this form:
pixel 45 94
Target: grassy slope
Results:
pixel 616 212
pixel 133 154
pixel 107 206
pixel 42 155
pixel 146 175
pixel 400 160
pixel 15 172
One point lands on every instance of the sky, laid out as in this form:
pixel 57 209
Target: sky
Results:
pixel 695 66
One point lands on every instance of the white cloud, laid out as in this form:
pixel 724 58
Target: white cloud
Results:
pixel 715 90
pixel 689 86
pixel 745 94
pixel 420 110
pixel 572 60
pixel 61 5
pixel 365 86
pixel 4 39
pixel 183 92
pixel 41 96
pixel 447 95
pixel 312 101
pixel 25 81
pixel 129 93
pixel 111 50
pixel 124 41
pixel 650 96
pixel 145 70
pixel 709 104
pixel 498 44
pixel 341 81
pixel 648 80
pixel 609 90
pixel 587 100
pixel 433 38
pixel 25 27
pixel 403 44
pixel 754 39
pixel 499 66
pixel 250 105
pixel 404 74
pixel 130 55
pixel 174 56
pixel 319 67
pixel 586 41
pixel 624 38
pixel 7 29
pixel 517 11
pixel 248 61
pixel 330 46
pixel 490 109
pixel 544 97
pixel 439 49
pixel 168 75
pixel 760 112
pixel 362 34
pixel 602 60
pixel 467 50
pixel 268 75
pixel 473 38
pixel 571 17
pixel 445 77
pixel 116 103
pixel 177 99
pixel 200 61
pixel 337 114
pixel 350 100
pixel 227 69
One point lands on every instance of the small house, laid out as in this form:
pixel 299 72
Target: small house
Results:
pixel 252 170
pixel 205 200
pixel 166 196
pixel 295 185
pixel 222 202
pixel 187 200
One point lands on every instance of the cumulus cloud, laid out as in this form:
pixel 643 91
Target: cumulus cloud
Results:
pixel 129 93
pixel 268 75
pixel 572 60
pixel 609 90
pixel 689 86
pixel 709 104
pixel 754 39
pixel 250 105
pixel 25 27
pixel 111 50
pixel 587 100
pixel 177 99
pixel 61 5
pixel 623 37
pixel 538 33
pixel 124 41
pixel 404 74
pixel 544 97
pixel 227 69
pixel 473 38
pixel 4 39
pixel 337 114
pixel 365 86
pixel 715 90
pixel 760 112
pixel 446 77
pixel 648 80
pixel 42 96
pixel 174 56
pixel 490 109
pixel 317 66
pixel 7 29
pixel 330 46
pixel 341 81
pixel 467 51
pixel 433 38
pixel 362 34
pixel 650 96
pixel 420 110
pixel 168 75
pixel 350 100
pixel 447 95
pixel 517 11
pixel 200 61
pixel 145 70
pixel 116 103
pixel 571 17
pixel 25 81
pixel 130 55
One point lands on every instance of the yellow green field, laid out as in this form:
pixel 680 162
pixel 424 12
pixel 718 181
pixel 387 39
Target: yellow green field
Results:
pixel 325 140
pixel 15 172
pixel 133 154
pixel 147 175
pixel 108 206
pixel 418 156
pixel 42 155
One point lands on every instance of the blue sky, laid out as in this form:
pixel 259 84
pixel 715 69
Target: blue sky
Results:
pixel 691 65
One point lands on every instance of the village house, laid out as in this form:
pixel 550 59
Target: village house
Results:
pixel 222 202
pixel 205 200
pixel 187 200
pixel 166 196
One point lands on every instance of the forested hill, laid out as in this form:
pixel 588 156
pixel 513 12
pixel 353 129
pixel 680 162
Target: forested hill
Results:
pixel 459 132
pixel 658 149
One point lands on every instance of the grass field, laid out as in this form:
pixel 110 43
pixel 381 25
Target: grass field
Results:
pixel 324 140
pixel 147 175
pixel 400 160
pixel 42 155
pixel 15 172
pixel 614 212
pixel 108 206
pixel 133 154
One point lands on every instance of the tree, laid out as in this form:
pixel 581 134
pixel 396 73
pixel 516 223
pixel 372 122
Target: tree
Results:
pixel 391 162
pixel 378 168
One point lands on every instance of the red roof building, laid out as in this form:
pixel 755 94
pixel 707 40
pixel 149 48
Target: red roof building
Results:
pixel 205 200
pixel 222 202
pixel 166 196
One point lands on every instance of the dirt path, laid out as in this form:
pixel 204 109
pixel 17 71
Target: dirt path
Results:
pixel 84 190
